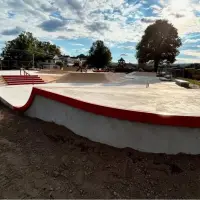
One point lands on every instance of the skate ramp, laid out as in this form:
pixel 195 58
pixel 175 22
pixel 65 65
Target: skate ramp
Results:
pixel 78 77
pixel 143 131
pixel 109 124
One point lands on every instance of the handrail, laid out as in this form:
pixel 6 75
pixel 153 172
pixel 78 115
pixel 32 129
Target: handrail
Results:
pixel 25 73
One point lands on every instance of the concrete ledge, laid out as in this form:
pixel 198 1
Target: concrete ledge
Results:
pixel 182 83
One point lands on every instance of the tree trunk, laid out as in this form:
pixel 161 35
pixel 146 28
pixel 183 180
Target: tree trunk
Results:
pixel 156 62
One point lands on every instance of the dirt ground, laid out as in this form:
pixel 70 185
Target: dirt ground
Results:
pixel 49 78
pixel 43 160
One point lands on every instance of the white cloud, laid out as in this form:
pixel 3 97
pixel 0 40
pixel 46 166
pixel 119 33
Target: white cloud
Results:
pixel 181 13
pixel 77 44
pixel 188 52
pixel 191 41
pixel 126 47
pixel 82 19
pixel 187 60
pixel 156 9
pixel 113 21
pixel 64 51
pixel 162 2
pixel 84 50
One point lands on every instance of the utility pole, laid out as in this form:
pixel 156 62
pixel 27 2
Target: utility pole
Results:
pixel 33 60
pixel 34 55
pixel 1 60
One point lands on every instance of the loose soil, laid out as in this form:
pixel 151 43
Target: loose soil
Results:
pixel 44 160
pixel 49 78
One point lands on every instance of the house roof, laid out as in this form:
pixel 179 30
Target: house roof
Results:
pixel 55 57
pixel 121 60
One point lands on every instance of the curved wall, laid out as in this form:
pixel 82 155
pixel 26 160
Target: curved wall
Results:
pixel 121 114
pixel 115 127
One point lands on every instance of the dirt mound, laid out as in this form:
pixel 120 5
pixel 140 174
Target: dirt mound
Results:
pixel 51 71
pixel 79 77
pixel 49 78
pixel 40 160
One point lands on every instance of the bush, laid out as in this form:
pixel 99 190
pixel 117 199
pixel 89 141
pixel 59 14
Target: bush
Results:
pixel 189 72
pixel 192 73
pixel 59 64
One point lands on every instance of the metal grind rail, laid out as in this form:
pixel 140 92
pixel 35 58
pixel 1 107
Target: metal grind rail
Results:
pixel 23 71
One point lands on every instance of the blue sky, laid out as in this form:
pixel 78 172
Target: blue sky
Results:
pixel 75 24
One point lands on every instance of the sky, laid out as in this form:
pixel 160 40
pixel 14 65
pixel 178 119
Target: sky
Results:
pixel 75 24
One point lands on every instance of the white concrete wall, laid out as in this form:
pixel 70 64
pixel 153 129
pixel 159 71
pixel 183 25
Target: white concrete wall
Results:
pixel 118 133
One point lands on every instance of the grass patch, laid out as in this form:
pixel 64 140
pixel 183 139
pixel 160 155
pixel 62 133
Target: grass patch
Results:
pixel 192 81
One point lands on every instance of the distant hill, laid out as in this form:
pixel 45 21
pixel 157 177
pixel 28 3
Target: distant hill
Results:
pixel 190 65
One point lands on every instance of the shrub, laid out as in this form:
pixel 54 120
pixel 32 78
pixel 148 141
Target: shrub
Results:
pixel 189 72
pixel 59 64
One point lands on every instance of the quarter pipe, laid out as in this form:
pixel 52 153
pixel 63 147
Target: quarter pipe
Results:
pixel 78 77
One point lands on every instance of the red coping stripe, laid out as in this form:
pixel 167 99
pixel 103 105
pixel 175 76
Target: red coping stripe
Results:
pixel 136 116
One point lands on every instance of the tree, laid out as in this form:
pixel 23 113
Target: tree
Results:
pixel 82 56
pixel 18 48
pixel 60 64
pixel 99 55
pixel 159 43
pixel 25 45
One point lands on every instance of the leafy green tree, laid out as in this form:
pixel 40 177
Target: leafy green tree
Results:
pixel 159 43
pixel 82 56
pixel 60 64
pixel 46 50
pixel 19 48
pixel 99 55
pixel 25 45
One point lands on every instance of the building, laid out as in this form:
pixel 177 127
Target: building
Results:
pixel 66 60
pixel 72 60
pixel 47 64
pixel 57 59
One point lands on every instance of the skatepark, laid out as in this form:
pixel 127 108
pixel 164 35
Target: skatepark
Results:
pixel 110 138
pixel 115 109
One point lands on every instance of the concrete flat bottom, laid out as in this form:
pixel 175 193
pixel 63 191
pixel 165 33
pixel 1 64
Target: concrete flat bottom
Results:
pixel 163 98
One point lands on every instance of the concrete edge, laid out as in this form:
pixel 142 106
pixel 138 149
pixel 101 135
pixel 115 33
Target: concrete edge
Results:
pixel 121 114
